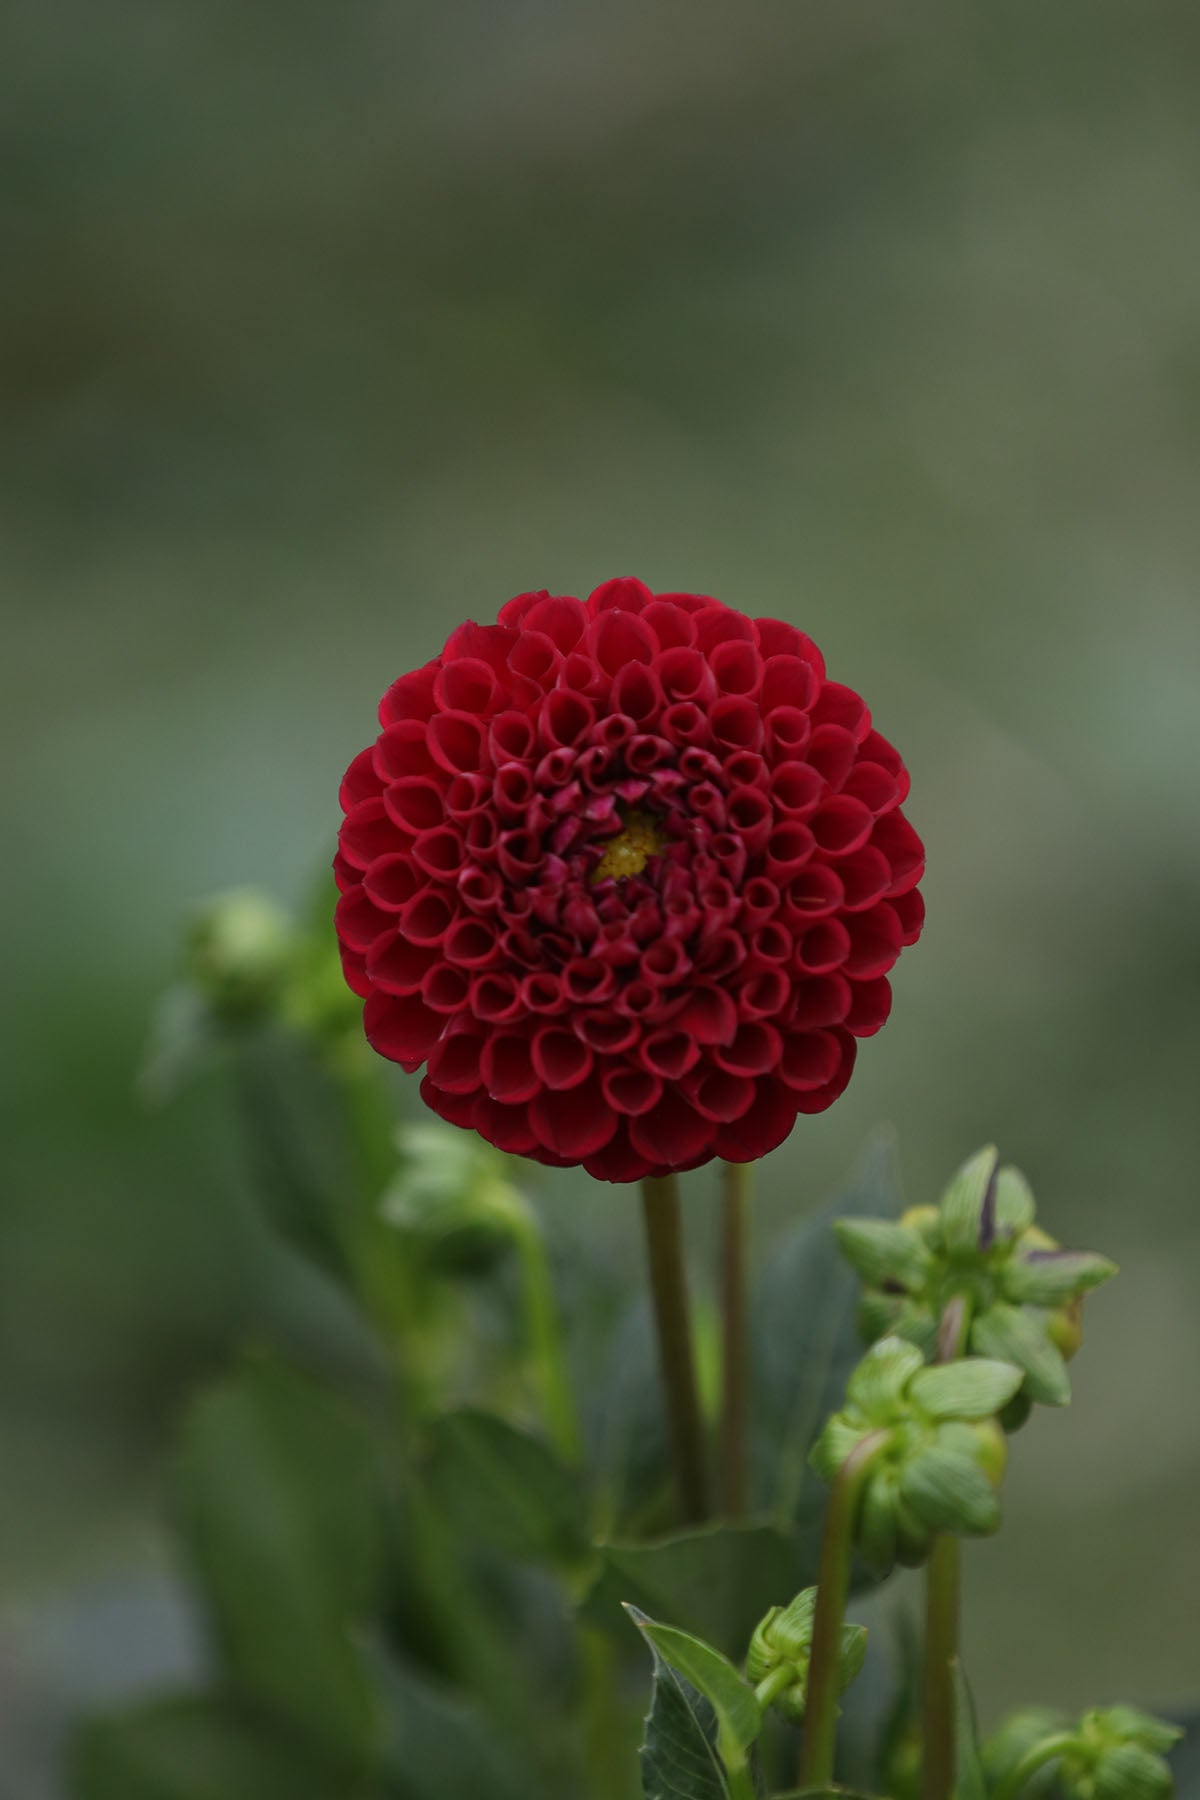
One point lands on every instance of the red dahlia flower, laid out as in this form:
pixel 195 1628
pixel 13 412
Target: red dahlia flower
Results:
pixel 628 875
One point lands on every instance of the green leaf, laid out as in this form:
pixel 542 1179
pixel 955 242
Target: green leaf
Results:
pixel 505 1489
pixel 968 1773
pixel 445 1747
pixel 1016 1336
pixel 804 1343
pixel 949 1493
pixel 739 1718
pixel 716 1582
pixel 199 1747
pixel 962 1203
pixel 279 1500
pixel 306 1162
pixel 1052 1277
pixel 971 1389
pixel 679 1755
pixel 882 1250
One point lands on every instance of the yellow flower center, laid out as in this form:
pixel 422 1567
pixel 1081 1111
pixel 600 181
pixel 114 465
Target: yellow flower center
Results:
pixel 628 853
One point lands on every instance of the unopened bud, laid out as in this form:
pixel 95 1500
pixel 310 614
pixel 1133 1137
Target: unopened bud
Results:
pixel 777 1660
pixel 239 951
pixel 981 1247
pixel 942 1456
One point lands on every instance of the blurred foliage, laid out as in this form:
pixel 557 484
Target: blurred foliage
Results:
pixel 322 328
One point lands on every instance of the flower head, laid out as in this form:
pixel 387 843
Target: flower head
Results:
pixel 628 875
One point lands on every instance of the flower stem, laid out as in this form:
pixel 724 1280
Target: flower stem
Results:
pixel 735 1231
pixel 545 1343
pixel 668 1287
pixel 942 1595
pixel 943 1598
pixel 833 1583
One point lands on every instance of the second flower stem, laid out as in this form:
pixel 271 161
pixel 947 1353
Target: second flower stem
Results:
pixel 672 1318
pixel 833 1585
pixel 735 1232
pixel 943 1584
pixel 943 1579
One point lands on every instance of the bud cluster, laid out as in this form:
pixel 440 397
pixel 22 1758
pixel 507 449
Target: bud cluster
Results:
pixel 941 1455
pixel 1022 1292
pixel 777 1660
pixel 1113 1753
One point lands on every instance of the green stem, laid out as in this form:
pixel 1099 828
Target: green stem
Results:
pixel 772 1685
pixel 735 1230
pixel 1047 1751
pixel 943 1600
pixel 943 1576
pixel 668 1287
pixel 546 1344
pixel 833 1584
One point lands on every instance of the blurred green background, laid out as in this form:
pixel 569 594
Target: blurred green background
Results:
pixel 324 327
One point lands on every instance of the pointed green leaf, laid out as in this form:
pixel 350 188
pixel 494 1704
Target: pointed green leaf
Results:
pixel 1052 1277
pixel 679 1755
pixel 962 1203
pixel 968 1774
pixel 505 1488
pixel 882 1250
pixel 971 1389
pixel 949 1493
pixel 1017 1336
pixel 739 1718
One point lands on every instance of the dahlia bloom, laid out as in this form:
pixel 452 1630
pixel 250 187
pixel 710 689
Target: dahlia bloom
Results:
pixel 628 875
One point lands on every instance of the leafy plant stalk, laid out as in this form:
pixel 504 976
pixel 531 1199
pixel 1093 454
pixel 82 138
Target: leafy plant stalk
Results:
pixel 672 1317
pixel 736 1179
pixel 943 1588
pixel 833 1583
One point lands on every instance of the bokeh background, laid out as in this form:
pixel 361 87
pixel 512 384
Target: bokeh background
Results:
pixel 324 327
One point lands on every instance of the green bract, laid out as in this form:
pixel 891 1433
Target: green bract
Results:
pixel 777 1660
pixel 980 1243
pixel 942 1456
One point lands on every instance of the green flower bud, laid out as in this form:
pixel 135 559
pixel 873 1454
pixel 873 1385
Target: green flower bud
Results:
pixel 239 952
pixel 943 1456
pixel 1002 1753
pixel 1115 1753
pixel 777 1660
pixel 451 1198
pixel 981 1245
